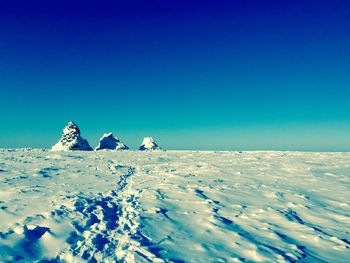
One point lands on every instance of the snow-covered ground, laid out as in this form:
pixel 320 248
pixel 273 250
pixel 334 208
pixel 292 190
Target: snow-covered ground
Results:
pixel 174 206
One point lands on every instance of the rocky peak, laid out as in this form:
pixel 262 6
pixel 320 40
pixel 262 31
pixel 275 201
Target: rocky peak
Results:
pixel 148 144
pixel 109 142
pixel 71 140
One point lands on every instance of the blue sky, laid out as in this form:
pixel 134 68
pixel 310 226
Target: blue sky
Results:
pixel 225 75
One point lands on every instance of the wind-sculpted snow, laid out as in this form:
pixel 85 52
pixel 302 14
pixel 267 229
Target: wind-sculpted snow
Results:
pixel 174 206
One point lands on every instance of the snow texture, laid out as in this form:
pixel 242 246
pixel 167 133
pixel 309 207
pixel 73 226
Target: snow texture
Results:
pixel 109 142
pixel 148 144
pixel 174 206
pixel 71 140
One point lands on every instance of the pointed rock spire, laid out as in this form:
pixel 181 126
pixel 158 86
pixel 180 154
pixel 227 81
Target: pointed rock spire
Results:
pixel 109 142
pixel 148 144
pixel 71 140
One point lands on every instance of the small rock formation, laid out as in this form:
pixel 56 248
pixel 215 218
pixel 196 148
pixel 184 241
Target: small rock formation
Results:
pixel 71 140
pixel 148 144
pixel 109 142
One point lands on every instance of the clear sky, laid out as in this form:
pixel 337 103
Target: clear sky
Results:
pixel 225 75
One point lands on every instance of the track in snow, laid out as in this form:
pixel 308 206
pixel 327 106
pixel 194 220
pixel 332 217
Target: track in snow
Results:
pixel 106 226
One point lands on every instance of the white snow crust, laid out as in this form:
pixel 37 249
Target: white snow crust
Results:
pixel 174 206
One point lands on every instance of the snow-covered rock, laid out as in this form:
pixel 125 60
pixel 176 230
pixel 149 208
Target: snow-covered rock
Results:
pixel 71 140
pixel 149 144
pixel 109 142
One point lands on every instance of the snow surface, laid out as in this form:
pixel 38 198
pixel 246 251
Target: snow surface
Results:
pixel 109 142
pixel 148 144
pixel 174 206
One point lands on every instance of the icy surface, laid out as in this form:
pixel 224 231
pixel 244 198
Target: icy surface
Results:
pixel 109 142
pixel 71 140
pixel 174 206
pixel 148 144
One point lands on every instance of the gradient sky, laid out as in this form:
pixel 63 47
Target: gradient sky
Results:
pixel 225 75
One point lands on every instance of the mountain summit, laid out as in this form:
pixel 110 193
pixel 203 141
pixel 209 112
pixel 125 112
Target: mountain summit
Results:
pixel 148 144
pixel 109 142
pixel 71 140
